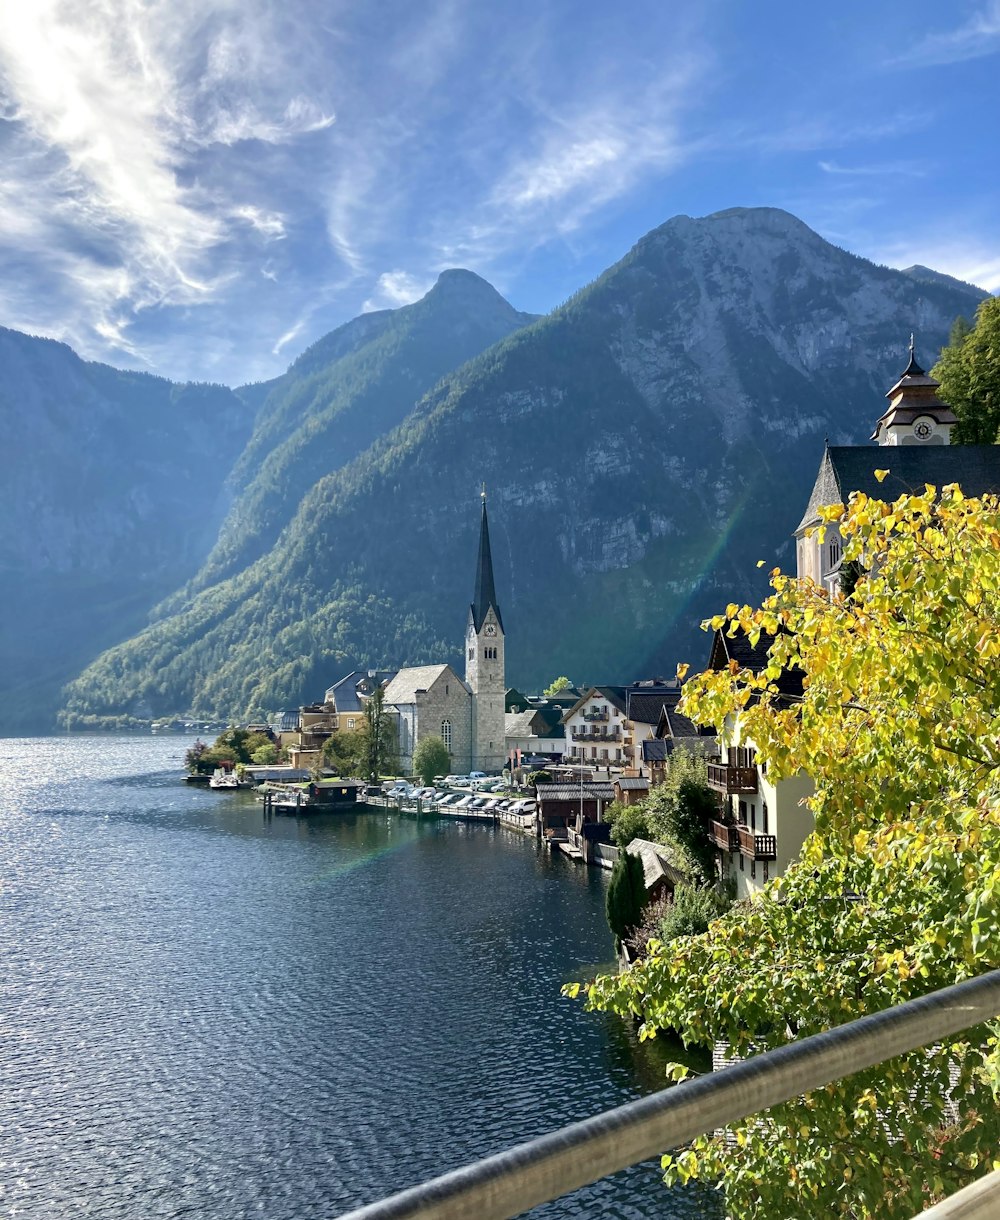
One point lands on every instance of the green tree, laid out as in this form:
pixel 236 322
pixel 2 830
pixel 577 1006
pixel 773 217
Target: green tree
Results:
pixel 628 822
pixel 539 777
pixel 265 754
pixel 346 752
pixel 969 372
pixel 626 896
pixel 897 892
pixel 380 752
pixel 680 810
pixel 559 684
pixel 431 758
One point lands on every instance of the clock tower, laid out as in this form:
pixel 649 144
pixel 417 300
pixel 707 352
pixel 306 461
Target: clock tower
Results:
pixel 484 661
pixel 915 416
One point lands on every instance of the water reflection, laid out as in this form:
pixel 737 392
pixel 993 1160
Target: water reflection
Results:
pixel 213 1014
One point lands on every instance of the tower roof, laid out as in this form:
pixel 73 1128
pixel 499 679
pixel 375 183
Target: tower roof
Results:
pixel 485 594
pixel 913 395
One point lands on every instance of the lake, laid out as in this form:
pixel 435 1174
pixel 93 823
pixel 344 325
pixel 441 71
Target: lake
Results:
pixel 207 1014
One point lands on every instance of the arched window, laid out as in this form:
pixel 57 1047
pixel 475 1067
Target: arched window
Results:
pixel 446 734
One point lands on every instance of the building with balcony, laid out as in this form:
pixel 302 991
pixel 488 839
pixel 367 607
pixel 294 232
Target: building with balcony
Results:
pixel 594 727
pixel 761 825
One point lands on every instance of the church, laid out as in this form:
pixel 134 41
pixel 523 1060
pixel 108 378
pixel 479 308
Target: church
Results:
pixel 433 701
pixel 913 436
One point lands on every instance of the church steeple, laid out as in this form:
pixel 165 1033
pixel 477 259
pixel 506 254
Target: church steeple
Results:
pixel 915 415
pixel 485 595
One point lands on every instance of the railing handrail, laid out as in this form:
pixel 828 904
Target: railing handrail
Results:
pixel 542 1169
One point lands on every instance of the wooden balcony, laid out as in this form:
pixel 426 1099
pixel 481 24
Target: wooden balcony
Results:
pixel 596 735
pixel 723 836
pixel 598 715
pixel 730 780
pixel 755 846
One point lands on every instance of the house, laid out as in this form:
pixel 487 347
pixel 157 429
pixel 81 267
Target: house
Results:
pixel 674 732
pixel 914 445
pixel 563 806
pixel 644 701
pixel 660 875
pixel 761 824
pixel 630 789
pixel 594 727
pixel 537 730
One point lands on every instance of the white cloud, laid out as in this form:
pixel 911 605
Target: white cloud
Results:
pixel 975 38
pixel 395 288
pixel 292 333
pixel 107 102
pixel 885 169
pixel 269 224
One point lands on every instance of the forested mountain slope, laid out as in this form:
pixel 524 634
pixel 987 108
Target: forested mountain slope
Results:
pixel 110 486
pixel 643 446
pixel 340 395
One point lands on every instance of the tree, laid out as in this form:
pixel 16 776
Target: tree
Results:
pixel 559 684
pixel 539 777
pixel 628 822
pixel 431 758
pixel 346 751
pixel 897 892
pixel 626 896
pixel 380 751
pixel 969 372
pixel 265 754
pixel 680 810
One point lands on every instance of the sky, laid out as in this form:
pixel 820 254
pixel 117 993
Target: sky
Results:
pixel 202 188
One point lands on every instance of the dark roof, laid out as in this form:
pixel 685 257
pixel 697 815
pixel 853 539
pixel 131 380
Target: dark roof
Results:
pixel 645 707
pixel 485 594
pixel 571 792
pixel 615 695
pixel 654 749
pixel 631 783
pixel 753 657
pixel 847 468
pixel 286 722
pixel 681 726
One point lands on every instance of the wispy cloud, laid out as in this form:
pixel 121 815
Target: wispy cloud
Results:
pixel 975 38
pixel 107 102
pixel 884 169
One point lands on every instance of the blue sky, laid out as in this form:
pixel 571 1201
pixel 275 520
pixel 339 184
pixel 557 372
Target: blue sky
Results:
pixel 201 188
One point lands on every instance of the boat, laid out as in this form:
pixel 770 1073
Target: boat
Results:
pixel 221 778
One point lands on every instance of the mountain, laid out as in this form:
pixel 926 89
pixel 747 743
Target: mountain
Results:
pixel 110 487
pixel 341 395
pixel 644 446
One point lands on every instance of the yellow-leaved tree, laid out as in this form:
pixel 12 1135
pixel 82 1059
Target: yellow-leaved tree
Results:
pixel 897 892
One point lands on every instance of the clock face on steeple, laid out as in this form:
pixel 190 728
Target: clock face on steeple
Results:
pixel 491 629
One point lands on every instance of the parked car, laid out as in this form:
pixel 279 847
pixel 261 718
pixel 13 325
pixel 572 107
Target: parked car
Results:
pixel 463 802
pixel 477 775
pixel 454 780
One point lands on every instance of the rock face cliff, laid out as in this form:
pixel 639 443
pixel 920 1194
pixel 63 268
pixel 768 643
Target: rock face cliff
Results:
pixel 643 446
pixel 110 486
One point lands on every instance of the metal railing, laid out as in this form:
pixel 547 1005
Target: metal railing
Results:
pixel 546 1168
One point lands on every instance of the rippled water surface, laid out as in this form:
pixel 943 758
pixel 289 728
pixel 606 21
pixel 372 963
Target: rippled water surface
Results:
pixel 204 1014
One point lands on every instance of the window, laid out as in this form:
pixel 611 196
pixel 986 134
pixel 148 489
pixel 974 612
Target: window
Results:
pixel 753 816
pixel 833 552
pixel 446 688
pixel 753 870
pixel 350 723
pixel 741 863
pixel 763 827
pixel 472 653
pixel 743 812
pixel 765 870
pixel 446 734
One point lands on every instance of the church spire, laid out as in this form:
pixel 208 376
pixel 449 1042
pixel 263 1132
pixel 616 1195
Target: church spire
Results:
pixel 485 593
